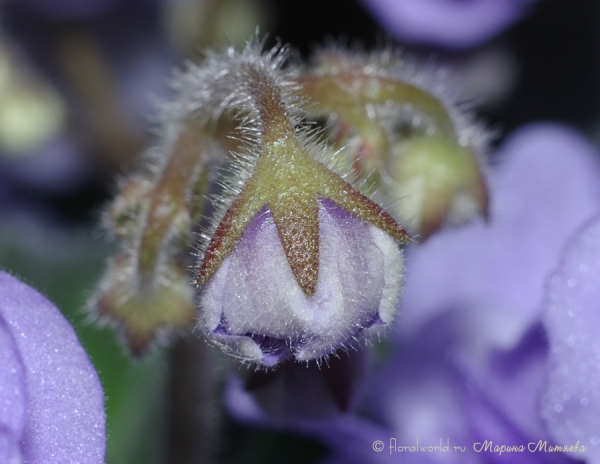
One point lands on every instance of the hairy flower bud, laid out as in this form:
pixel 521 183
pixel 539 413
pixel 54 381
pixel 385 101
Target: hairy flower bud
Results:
pixel 294 260
pixel 299 263
pixel 402 131
pixel 51 399
pixel 146 291
pixel 440 182
pixel 256 310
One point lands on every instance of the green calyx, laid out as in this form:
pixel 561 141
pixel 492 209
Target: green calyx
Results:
pixel 288 180
pixel 435 172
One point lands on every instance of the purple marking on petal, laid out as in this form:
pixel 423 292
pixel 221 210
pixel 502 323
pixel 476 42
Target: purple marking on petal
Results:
pixel 335 211
pixel 274 349
pixel 221 329
pixel 257 224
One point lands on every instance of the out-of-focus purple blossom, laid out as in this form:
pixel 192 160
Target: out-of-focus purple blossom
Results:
pixel 484 379
pixel 470 360
pixel 544 188
pixel 70 114
pixel 51 400
pixel 571 403
pixel 254 305
pixel 56 166
pixel 70 9
pixel 447 23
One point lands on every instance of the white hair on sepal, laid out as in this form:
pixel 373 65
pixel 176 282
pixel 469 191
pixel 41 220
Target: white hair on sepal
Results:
pixel 224 81
pixel 338 162
pixel 317 146
pixel 130 201
pixel 441 82
pixel 426 74
pixel 229 84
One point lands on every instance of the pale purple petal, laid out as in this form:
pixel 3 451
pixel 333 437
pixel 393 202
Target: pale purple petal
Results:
pixel 571 404
pixel 469 360
pixel 546 186
pixel 452 23
pixel 503 405
pixel 13 397
pixel 65 417
pixel 254 305
pixel 435 387
pixel 419 394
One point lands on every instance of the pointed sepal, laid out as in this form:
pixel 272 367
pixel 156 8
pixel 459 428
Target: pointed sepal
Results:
pixel 297 221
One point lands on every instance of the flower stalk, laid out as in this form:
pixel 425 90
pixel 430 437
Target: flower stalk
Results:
pixel 146 287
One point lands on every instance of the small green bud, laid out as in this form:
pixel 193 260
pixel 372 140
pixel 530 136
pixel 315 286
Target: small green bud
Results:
pixel 143 315
pixel 439 181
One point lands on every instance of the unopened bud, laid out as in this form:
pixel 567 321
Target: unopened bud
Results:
pixel 439 181
pixel 144 315
pixel 254 308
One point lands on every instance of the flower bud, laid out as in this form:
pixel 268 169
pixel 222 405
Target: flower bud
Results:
pixel 255 308
pixel 439 181
pixel 144 316
pixel 131 202
pixel 146 290
pixel 404 132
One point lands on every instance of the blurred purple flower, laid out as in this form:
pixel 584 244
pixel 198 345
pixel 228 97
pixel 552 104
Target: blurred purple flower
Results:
pixel 449 23
pixel 571 401
pixel 470 360
pixel 73 9
pixel 51 400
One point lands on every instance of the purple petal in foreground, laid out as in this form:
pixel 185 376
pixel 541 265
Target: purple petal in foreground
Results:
pixel 451 23
pixel 571 404
pixel 65 402
pixel 350 438
pixel 12 397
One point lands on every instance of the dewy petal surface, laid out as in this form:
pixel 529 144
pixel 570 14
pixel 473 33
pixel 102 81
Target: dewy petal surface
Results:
pixel 254 292
pixel 65 416
pixel 490 279
pixel 12 396
pixel 571 404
